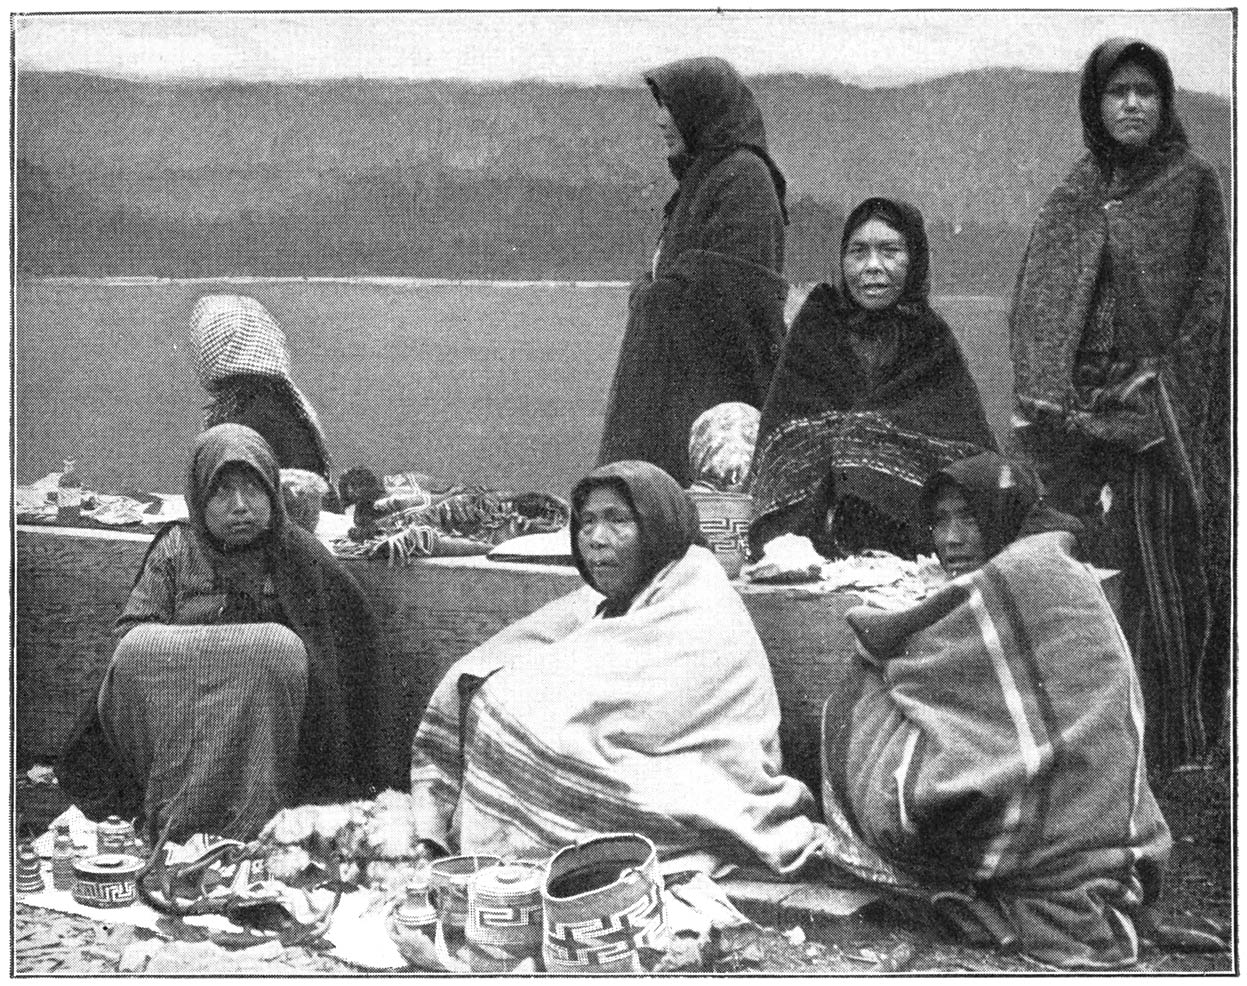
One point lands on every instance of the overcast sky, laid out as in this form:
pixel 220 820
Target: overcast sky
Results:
pixel 869 47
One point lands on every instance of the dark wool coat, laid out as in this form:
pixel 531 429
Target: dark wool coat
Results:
pixel 1146 228
pixel 341 739
pixel 707 326
pixel 924 389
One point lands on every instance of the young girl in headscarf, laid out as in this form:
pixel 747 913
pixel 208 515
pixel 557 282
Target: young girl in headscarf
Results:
pixel 1121 357
pixel 705 326
pixel 993 762
pixel 242 678
pixel 871 395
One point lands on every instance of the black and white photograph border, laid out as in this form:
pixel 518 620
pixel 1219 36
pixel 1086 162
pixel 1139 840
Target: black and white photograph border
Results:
pixel 786 454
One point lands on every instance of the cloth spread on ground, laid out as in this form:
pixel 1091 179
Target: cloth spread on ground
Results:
pixel 707 327
pixel 661 721
pixel 835 427
pixel 244 364
pixel 994 762
pixel 288 578
pixel 1121 351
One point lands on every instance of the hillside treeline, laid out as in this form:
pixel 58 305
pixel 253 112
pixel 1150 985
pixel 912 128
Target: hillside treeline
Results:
pixel 438 224
pixel 526 180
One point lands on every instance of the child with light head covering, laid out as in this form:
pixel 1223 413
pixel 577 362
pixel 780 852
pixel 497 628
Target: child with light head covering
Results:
pixel 244 364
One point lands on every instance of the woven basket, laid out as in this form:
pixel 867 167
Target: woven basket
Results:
pixel 725 525
pixel 603 904
pixel 448 884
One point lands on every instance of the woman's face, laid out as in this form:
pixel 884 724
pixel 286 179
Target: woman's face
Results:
pixel 238 509
pixel 610 542
pixel 1130 106
pixel 670 132
pixel 875 264
pixel 958 539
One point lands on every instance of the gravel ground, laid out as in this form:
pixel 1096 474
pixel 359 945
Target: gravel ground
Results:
pixel 1197 804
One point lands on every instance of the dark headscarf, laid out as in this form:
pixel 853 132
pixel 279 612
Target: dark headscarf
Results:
pixel 665 514
pixel 1101 65
pixel 231 445
pixel 716 114
pixel 906 220
pixel 1005 496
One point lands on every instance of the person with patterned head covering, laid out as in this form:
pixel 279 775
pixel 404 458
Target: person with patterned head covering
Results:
pixel 244 364
pixel 993 761
pixel 720 447
pixel 642 702
pixel 1120 335
pixel 872 393
pixel 706 324
pixel 245 669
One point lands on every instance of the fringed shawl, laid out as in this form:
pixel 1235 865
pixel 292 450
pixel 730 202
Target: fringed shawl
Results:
pixel 881 438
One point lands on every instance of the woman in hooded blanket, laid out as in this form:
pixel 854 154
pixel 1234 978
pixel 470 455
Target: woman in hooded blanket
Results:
pixel 244 365
pixel 872 394
pixel 1121 356
pixel 993 763
pixel 242 675
pixel 705 326
pixel 643 702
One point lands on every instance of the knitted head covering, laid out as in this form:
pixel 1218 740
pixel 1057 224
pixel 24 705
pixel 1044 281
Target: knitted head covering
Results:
pixel 715 112
pixel 1101 65
pixel 230 445
pixel 1006 498
pixel 720 446
pixel 667 518
pixel 236 336
pixel 906 220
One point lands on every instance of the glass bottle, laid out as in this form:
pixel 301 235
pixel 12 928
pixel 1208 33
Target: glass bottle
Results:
pixel 68 494
pixel 63 859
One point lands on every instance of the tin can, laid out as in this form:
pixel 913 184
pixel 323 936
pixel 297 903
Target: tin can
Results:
pixel 113 837
pixel 504 917
pixel 108 880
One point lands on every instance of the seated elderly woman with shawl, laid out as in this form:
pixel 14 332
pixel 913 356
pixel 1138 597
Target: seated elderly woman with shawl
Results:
pixel 241 679
pixel 643 702
pixel 871 395
pixel 993 762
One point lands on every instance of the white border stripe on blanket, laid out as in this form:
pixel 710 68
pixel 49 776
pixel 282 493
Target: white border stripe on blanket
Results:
pixel 902 771
pixel 1026 739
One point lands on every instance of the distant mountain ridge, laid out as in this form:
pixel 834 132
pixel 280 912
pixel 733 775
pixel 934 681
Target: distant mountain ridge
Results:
pixel 976 149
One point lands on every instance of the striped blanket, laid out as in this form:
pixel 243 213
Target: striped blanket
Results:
pixel 661 721
pixel 993 760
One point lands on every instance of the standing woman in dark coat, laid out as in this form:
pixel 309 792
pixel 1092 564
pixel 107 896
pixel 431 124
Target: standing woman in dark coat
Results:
pixel 706 324
pixel 871 396
pixel 1120 338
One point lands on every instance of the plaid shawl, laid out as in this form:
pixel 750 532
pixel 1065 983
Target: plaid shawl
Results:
pixel 880 434
pixel 994 760
pixel 661 721
pixel 237 337
pixel 873 458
